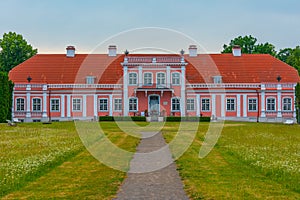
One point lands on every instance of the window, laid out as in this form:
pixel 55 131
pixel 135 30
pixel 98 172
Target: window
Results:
pixel 103 104
pixel 76 104
pixel 230 104
pixel 36 104
pixel 175 104
pixel 287 104
pixel 175 78
pixel 118 104
pixel 205 104
pixel 190 104
pixel 161 79
pixel 90 80
pixel 132 78
pixel 133 104
pixel 147 78
pixel 20 104
pixel 271 104
pixel 217 79
pixel 54 105
pixel 252 104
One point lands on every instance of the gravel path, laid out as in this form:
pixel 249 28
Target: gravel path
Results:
pixel 164 183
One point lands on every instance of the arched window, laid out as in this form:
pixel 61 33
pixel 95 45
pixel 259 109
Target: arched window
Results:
pixel 132 78
pixel 175 78
pixel 20 104
pixel 160 79
pixel 287 104
pixel 148 78
pixel 271 104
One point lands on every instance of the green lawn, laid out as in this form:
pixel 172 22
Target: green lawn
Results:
pixel 49 161
pixel 250 161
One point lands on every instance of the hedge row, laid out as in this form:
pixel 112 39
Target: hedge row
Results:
pixel 188 119
pixel 110 118
pixel 143 119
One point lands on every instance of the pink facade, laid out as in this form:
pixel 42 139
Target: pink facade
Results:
pixel 156 85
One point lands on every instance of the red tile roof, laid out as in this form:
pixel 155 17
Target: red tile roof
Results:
pixel 58 69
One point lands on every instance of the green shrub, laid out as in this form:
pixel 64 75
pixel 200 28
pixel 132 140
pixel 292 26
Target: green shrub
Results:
pixel 111 118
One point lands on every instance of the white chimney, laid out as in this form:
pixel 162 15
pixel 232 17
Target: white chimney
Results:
pixel 193 51
pixel 112 50
pixel 236 50
pixel 70 51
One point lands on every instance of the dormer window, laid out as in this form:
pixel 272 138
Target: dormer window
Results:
pixel 90 80
pixel 217 79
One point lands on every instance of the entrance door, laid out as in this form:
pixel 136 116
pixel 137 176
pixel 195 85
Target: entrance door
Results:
pixel 154 106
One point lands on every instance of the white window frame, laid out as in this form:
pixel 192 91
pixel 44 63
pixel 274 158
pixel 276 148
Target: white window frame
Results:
pixel 203 108
pixel 132 80
pixel 175 80
pixel 289 104
pixel 51 108
pixel 77 103
pixel 90 79
pixel 147 78
pixel 33 104
pixel 159 78
pixel 103 99
pixel 217 79
pixel 134 104
pixel 190 104
pixel 251 103
pixel 177 104
pixel 20 106
pixel 119 106
pixel 234 104
pixel 267 104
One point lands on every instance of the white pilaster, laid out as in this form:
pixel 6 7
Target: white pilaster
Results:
pixel 294 103
pixel 44 104
pixel 110 105
pixel 125 91
pixel 140 76
pixel 198 105
pixel 84 105
pixel 69 105
pixel 213 105
pixel 62 110
pixel 28 99
pixel 13 104
pixel 182 99
pixel 223 105
pixel 245 105
pixel 263 100
pixel 168 77
pixel 95 105
pixel 238 105
pixel 279 114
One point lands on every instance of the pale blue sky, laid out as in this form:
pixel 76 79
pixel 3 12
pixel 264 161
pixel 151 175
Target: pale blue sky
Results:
pixel 50 25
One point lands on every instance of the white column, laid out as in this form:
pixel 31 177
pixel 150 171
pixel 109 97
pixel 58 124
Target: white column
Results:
pixel 223 105
pixel 110 105
pixel 13 104
pixel 140 76
pixel 28 99
pixel 95 105
pixel 69 105
pixel 198 105
pixel 238 105
pixel 245 105
pixel 168 77
pixel 62 111
pixel 45 104
pixel 213 105
pixel 182 100
pixel 125 91
pixel 279 114
pixel 263 100
pixel 294 103
pixel 84 105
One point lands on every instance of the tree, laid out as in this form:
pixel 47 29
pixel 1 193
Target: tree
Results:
pixel 5 96
pixel 294 58
pixel 249 46
pixel 15 50
pixel 283 54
